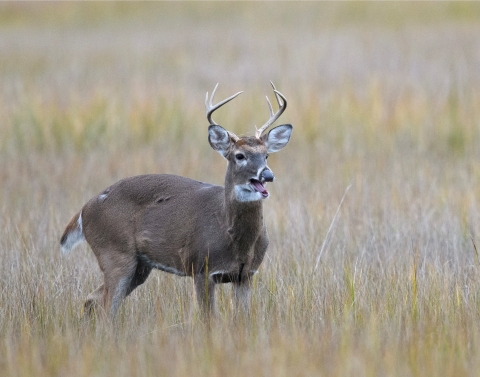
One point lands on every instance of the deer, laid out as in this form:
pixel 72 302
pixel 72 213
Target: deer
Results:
pixel 214 234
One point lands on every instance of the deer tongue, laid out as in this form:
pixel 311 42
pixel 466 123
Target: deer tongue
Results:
pixel 258 186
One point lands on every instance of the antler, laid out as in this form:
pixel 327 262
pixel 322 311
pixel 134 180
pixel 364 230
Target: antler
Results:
pixel 273 117
pixel 210 108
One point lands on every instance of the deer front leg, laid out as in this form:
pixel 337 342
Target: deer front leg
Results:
pixel 205 292
pixel 241 290
pixel 242 286
pixel 241 294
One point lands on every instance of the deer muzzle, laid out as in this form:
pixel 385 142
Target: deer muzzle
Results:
pixel 267 175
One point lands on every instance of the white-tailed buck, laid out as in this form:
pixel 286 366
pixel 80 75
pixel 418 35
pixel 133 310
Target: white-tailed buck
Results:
pixel 175 224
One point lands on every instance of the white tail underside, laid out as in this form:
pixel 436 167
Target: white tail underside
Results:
pixel 74 237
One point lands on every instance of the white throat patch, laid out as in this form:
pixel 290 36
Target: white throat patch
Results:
pixel 246 193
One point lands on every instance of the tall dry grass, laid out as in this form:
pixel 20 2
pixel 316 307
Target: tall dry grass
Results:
pixel 383 97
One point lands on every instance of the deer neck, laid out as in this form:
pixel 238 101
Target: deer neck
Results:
pixel 244 219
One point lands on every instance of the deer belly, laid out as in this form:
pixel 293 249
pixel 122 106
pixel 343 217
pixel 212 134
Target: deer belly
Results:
pixel 166 267
pixel 163 254
pixel 230 277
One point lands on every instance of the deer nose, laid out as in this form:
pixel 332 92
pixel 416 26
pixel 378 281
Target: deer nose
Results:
pixel 267 175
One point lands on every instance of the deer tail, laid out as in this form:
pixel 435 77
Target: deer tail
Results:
pixel 73 234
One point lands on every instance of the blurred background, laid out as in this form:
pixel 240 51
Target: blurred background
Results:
pixel 384 97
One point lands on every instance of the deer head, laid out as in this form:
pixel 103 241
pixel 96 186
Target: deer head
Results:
pixel 247 171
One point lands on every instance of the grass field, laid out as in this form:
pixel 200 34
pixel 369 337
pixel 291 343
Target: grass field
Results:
pixel 384 97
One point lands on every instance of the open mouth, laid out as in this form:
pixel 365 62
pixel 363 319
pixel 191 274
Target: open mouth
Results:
pixel 259 187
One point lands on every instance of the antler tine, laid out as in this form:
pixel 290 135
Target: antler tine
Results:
pixel 210 108
pixel 234 137
pixel 269 106
pixel 275 90
pixel 282 105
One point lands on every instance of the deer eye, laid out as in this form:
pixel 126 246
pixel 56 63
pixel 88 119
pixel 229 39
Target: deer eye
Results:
pixel 240 156
pixel 266 157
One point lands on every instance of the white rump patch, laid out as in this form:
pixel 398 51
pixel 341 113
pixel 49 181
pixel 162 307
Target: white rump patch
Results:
pixel 74 237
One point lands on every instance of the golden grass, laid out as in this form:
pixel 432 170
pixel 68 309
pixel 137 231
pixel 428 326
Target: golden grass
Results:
pixel 385 97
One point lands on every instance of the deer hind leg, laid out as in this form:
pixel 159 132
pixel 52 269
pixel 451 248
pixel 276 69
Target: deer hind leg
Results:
pixel 119 270
pixel 93 301
pixel 205 292
pixel 121 282
pixel 117 285
pixel 141 274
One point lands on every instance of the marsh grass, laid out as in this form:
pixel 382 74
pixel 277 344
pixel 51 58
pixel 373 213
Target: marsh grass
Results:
pixel 384 98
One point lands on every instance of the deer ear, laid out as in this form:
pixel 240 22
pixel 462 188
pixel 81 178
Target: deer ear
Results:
pixel 219 139
pixel 278 137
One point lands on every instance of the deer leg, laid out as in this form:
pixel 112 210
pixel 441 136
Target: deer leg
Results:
pixel 241 294
pixel 141 274
pixel 205 292
pixel 92 301
pixel 95 298
pixel 119 270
